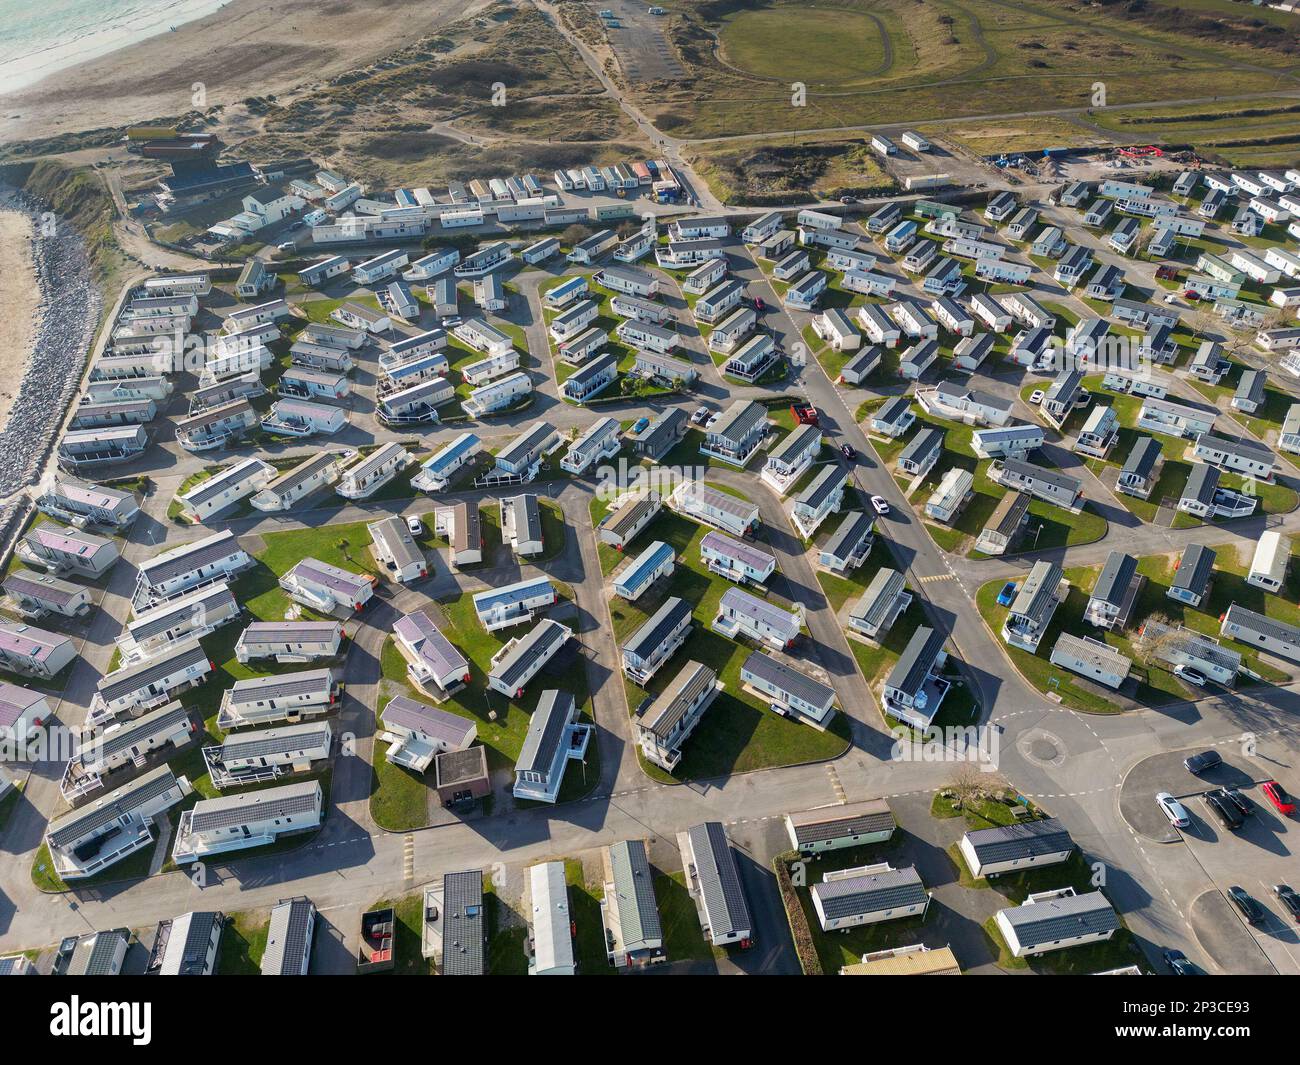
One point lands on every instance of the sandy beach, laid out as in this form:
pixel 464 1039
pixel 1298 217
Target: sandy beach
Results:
pixel 19 302
pixel 248 48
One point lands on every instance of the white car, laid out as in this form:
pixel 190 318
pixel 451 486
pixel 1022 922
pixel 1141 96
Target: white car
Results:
pixel 1036 397
pixel 881 504
pixel 415 526
pixel 1190 675
pixel 1174 810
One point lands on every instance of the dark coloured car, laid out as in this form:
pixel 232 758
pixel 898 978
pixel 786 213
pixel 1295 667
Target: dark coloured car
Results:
pixel 1181 965
pixel 1243 805
pixel 848 452
pixel 1200 763
pixel 1242 899
pixel 1225 813
pixel 1288 897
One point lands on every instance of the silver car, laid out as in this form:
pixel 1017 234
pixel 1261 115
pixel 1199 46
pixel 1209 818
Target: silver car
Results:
pixel 1174 810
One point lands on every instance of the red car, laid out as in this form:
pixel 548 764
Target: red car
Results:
pixel 1277 795
pixel 804 415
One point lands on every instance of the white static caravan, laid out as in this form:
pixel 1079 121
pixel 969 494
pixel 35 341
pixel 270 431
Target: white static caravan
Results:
pixel 366 476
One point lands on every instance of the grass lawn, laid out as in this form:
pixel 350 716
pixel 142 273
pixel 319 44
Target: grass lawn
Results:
pixel 844 947
pixel 589 937
pixel 683 938
pixel 400 799
pixel 1049 526
pixel 1156 685
pixel 243 942
pixel 507 939
pixel 739 733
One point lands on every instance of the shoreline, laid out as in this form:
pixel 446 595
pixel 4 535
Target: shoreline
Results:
pixel 27 72
pixel 243 49
pixel 20 304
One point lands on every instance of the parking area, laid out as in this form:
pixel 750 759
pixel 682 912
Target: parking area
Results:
pixel 1255 856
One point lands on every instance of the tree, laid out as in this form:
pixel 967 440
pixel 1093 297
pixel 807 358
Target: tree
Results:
pixel 969 782
pixel 1157 635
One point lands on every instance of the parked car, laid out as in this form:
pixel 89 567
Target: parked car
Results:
pixel 1008 594
pixel 804 415
pixel 1082 399
pixel 1190 675
pixel 1242 804
pixel 880 504
pixel 1222 810
pixel 1036 396
pixel 286 245
pixel 1174 810
pixel 759 305
pixel 848 452
pixel 451 320
pixel 1246 904
pixel 1283 802
pixel 1203 762
pixel 700 416
pixel 1289 898
pixel 639 425
pixel 415 526
pixel 1181 965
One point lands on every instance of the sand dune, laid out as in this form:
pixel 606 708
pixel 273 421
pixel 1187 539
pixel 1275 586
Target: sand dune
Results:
pixel 248 48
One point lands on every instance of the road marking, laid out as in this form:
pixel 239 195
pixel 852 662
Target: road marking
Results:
pixel 836 786
pixel 937 577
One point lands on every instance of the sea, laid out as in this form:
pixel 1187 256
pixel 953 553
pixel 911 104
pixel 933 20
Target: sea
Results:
pixel 38 38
